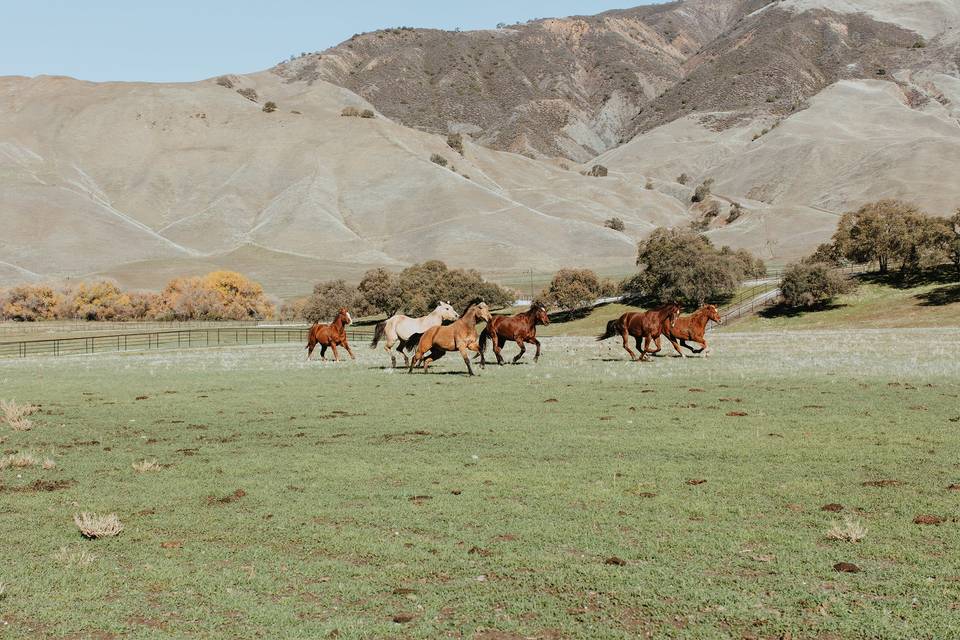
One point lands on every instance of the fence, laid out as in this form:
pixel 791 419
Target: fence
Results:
pixel 154 340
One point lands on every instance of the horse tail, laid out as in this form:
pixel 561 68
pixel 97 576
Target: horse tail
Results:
pixel 378 333
pixel 411 342
pixel 613 328
pixel 483 339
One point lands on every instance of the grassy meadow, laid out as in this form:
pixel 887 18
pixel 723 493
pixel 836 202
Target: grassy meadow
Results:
pixel 583 497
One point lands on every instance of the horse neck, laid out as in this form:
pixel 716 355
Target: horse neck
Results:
pixel 530 317
pixel 337 323
pixel 469 317
pixel 700 319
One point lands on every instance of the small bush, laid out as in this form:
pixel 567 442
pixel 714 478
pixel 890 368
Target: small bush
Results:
pixel 270 107
pixel 78 557
pixel 736 210
pixel 15 414
pixel 95 526
pixel 224 81
pixel 48 464
pixel 455 142
pixel 17 461
pixel 808 285
pixel 596 171
pixel 439 159
pixel 683 179
pixel 851 530
pixel 367 113
pixel 350 112
pixel 649 185
pixel 615 223
pixel 703 191
pixel 713 210
pixel 145 466
pixel 248 93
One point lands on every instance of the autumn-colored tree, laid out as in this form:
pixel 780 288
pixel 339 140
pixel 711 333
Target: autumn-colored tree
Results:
pixel 29 303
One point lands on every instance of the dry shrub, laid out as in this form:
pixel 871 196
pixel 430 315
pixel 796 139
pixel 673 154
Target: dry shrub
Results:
pixel 15 414
pixel 270 106
pixel 350 112
pixel 248 93
pixel 851 530
pixel 17 461
pixel 597 171
pixel 77 557
pixel 367 113
pixel 3 590
pixel 48 464
pixel 95 526
pixel 436 158
pixel 455 142
pixel 145 466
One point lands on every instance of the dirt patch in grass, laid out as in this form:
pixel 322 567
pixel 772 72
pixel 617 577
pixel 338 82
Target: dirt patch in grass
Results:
pixel 693 482
pixel 171 544
pixel 404 618
pixel 615 561
pixel 550 401
pixel 496 635
pixel 39 486
pixel 954 487
pixel 846 567
pixel 227 499
pixel 479 551
pixel 882 483
pixel 833 507
pixel 418 500
pixel 927 518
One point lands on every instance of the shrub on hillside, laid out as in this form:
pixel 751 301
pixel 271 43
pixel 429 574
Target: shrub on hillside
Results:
pixel 248 93
pixel 572 289
pixel 683 179
pixel 455 142
pixel 596 171
pixel 702 192
pixel 616 224
pixel 367 114
pixel 350 112
pixel 436 158
pixel 953 241
pixel 269 107
pixel 811 284
pixel 224 81
pixel 736 210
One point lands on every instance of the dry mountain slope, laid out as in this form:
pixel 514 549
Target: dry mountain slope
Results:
pixel 147 180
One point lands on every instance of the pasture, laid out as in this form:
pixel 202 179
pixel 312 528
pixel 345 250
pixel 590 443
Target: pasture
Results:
pixel 583 497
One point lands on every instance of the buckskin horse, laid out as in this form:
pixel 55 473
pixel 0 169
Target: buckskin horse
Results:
pixel 460 336
pixel 522 328
pixel 641 325
pixel 330 335
pixel 400 330
pixel 692 328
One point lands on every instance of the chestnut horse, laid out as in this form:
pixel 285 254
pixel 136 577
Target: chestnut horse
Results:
pixel 401 330
pixel 692 328
pixel 460 336
pixel 330 335
pixel 646 325
pixel 520 328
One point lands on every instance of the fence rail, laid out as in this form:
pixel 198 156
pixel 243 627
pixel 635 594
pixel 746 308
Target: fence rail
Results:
pixel 155 340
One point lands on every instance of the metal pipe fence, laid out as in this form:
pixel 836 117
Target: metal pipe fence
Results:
pixel 160 340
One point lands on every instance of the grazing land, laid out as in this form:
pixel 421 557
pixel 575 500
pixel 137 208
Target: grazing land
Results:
pixel 584 497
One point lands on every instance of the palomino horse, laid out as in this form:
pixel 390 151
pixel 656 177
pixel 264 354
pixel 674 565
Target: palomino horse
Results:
pixel 648 325
pixel 460 336
pixel 520 328
pixel 330 335
pixel 399 329
pixel 692 328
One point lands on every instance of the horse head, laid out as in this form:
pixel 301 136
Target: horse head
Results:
pixel 344 316
pixel 446 311
pixel 540 314
pixel 481 312
pixel 713 313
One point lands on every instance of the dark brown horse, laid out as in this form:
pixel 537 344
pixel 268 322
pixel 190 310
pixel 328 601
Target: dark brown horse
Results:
pixel 521 328
pixel 692 328
pixel 330 335
pixel 645 325
pixel 460 336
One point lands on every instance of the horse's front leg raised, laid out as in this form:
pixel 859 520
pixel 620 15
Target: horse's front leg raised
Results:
pixel 536 356
pixel 336 356
pixel 346 345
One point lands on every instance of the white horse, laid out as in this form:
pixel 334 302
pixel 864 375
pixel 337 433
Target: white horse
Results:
pixel 400 329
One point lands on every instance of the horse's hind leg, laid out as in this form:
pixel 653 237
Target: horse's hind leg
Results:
pixel 676 346
pixel 533 340
pixel 702 349
pixel 643 353
pixel 310 347
pixel 626 345
pixel 498 343
pixel 393 359
pixel 336 356
pixel 346 345
pixel 523 350
pixel 323 352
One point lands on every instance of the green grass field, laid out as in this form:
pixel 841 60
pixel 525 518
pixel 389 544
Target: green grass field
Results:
pixel 558 500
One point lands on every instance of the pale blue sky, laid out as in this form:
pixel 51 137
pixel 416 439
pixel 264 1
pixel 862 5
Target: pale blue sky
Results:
pixel 182 40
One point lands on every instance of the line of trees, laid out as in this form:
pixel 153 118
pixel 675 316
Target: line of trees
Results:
pixel 220 295
pixel 415 291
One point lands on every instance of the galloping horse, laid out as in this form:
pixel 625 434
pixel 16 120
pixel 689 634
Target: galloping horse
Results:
pixel 399 329
pixel 520 328
pixel 330 335
pixel 460 336
pixel 647 325
pixel 692 328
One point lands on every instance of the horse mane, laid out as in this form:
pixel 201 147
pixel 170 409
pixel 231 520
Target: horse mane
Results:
pixel 470 304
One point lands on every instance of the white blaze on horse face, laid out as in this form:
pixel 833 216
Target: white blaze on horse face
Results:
pixel 349 319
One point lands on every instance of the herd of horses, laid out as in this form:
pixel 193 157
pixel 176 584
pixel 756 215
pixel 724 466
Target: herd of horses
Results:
pixel 444 331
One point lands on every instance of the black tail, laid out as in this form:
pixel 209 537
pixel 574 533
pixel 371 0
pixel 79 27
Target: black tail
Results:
pixel 378 333
pixel 410 343
pixel 483 339
pixel 613 328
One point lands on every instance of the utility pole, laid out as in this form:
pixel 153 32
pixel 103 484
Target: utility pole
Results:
pixel 531 284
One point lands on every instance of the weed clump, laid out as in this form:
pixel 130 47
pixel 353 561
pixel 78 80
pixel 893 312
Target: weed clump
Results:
pixel 96 526
pixel 850 530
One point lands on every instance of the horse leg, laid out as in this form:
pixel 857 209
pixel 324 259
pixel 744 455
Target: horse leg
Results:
pixel 536 357
pixel 676 346
pixel 523 350
pixel 311 345
pixel 466 358
pixel 336 356
pixel 655 341
pixel 702 349
pixel 323 352
pixel 346 345
pixel 643 353
pixel 414 360
pixel 498 343
pixel 388 347
pixel 626 345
